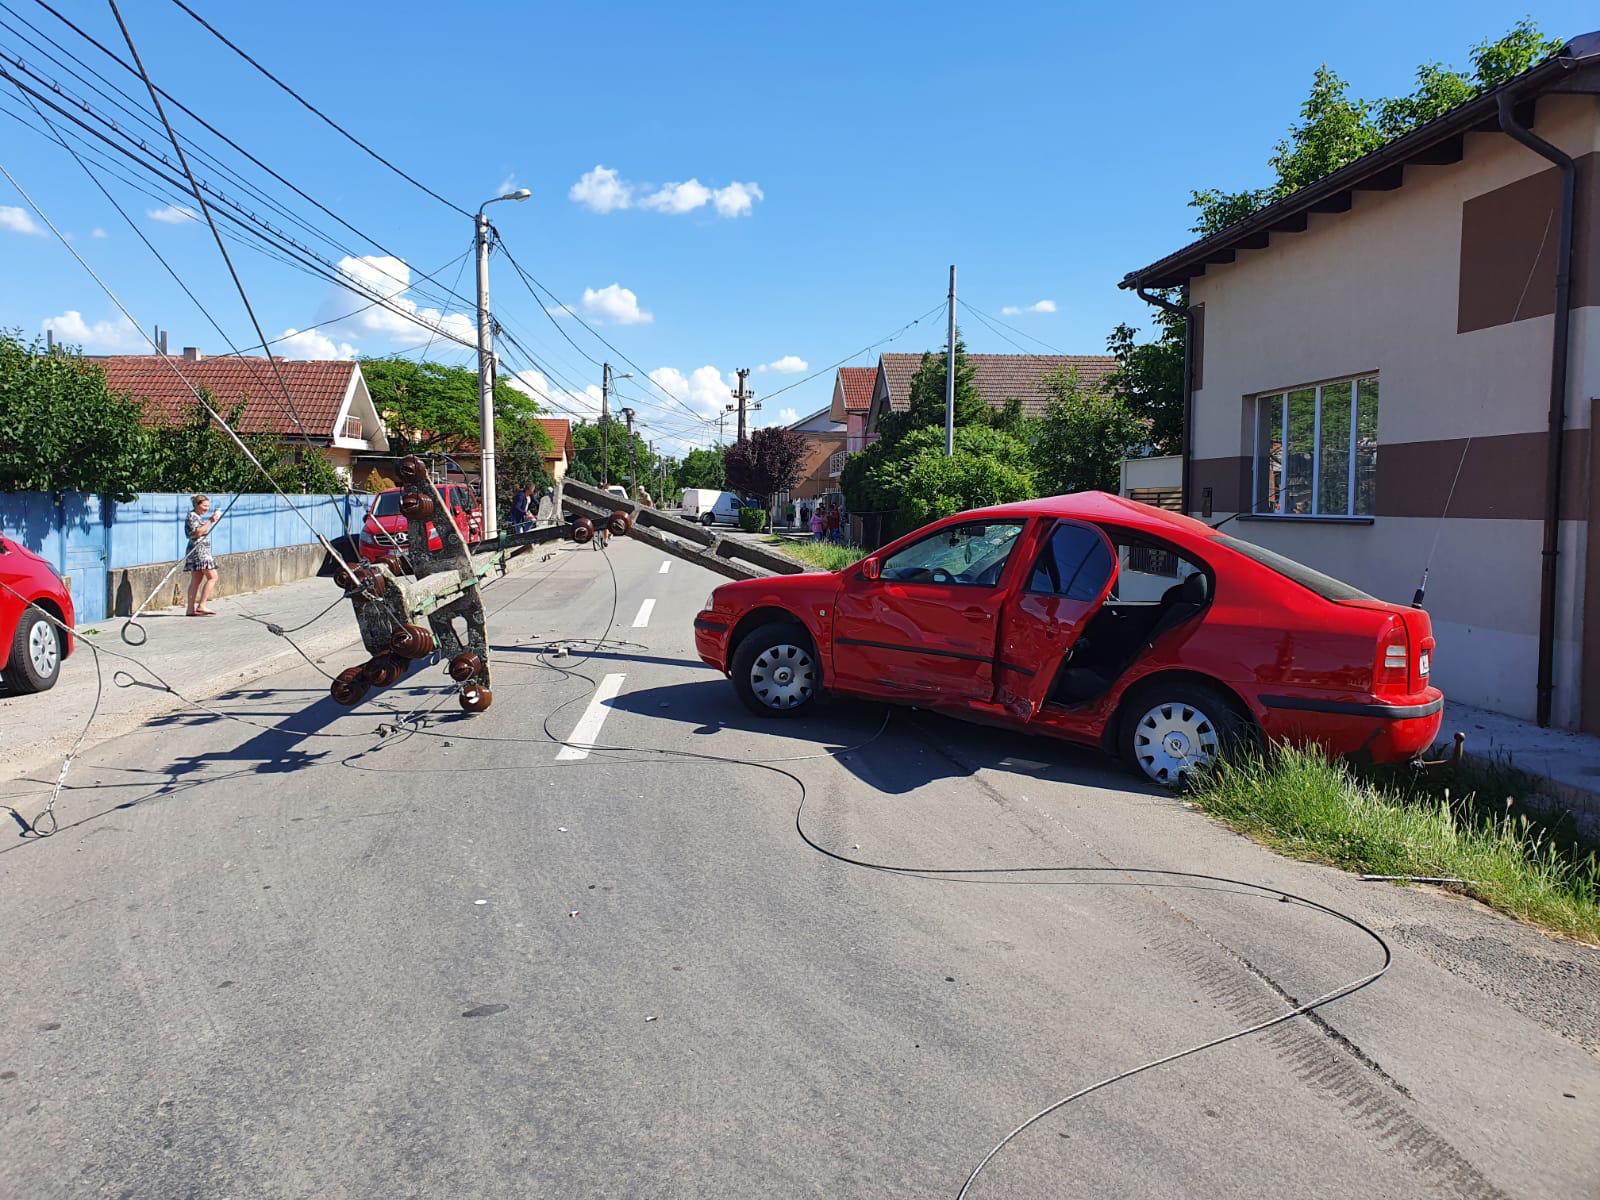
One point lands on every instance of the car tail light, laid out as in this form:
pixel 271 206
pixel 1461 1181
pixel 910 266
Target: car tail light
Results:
pixel 1393 670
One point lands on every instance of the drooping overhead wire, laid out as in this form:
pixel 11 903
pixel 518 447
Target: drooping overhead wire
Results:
pixel 318 113
pixel 992 322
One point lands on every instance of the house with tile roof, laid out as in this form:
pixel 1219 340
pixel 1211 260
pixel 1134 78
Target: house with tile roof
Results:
pixel 999 378
pixel 558 431
pixel 852 400
pixel 327 403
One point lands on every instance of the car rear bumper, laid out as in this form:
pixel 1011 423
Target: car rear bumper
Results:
pixel 1371 728
pixel 711 638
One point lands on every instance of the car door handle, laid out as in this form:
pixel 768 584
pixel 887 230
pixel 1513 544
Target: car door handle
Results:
pixel 974 613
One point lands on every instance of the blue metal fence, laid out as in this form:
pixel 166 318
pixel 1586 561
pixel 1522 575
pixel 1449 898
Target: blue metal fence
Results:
pixel 85 538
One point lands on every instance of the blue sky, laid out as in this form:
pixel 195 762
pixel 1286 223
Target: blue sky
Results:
pixel 839 160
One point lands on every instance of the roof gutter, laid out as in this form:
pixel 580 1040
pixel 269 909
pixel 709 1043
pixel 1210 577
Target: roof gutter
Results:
pixel 1180 310
pixel 1555 436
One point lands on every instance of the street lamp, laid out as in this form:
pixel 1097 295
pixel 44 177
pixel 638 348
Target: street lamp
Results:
pixel 491 516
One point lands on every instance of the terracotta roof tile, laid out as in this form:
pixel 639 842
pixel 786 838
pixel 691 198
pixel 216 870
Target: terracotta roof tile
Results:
pixel 999 377
pixel 559 431
pixel 317 389
pixel 858 384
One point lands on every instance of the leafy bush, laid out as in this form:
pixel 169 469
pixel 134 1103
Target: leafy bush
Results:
pixel 915 482
pixel 1082 437
pixel 752 520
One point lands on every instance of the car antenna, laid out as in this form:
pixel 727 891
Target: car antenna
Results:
pixel 1422 584
pixel 1226 519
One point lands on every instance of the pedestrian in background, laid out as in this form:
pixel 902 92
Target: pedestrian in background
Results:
pixel 199 561
pixel 521 506
pixel 819 524
pixel 835 523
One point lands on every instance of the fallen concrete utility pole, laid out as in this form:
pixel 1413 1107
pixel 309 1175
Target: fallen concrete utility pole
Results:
pixel 393 595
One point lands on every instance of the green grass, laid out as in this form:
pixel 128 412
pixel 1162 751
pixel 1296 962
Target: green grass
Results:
pixel 1464 822
pixel 819 554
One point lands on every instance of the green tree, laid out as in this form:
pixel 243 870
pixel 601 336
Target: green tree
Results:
pixel 196 455
pixel 586 446
pixel 431 408
pixel 912 481
pixel 1082 438
pixel 927 397
pixel 701 468
pixel 1334 129
pixel 1149 378
pixel 62 430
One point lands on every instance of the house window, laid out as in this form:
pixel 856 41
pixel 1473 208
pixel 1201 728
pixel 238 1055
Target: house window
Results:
pixel 836 462
pixel 1316 450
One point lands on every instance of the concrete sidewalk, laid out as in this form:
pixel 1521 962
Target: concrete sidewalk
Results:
pixel 198 656
pixel 1568 762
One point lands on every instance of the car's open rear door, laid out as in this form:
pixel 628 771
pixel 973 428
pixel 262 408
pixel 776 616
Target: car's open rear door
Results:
pixel 1070 578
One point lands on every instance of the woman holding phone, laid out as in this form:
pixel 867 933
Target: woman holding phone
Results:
pixel 199 561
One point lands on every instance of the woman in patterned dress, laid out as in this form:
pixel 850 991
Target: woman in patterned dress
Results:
pixel 199 562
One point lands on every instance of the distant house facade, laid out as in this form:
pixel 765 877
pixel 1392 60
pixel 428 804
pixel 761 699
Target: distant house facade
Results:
pixel 999 378
pixel 1379 382
pixel 824 457
pixel 558 431
pixel 327 402
pixel 852 401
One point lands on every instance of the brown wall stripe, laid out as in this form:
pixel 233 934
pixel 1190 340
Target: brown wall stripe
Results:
pixel 1502 478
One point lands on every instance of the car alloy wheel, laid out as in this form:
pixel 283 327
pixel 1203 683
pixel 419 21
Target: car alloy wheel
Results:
pixel 1173 739
pixel 783 676
pixel 44 650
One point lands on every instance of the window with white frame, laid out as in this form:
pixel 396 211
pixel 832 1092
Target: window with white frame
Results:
pixel 1316 450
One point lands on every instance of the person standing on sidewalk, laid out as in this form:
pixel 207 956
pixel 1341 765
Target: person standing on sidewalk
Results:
pixel 199 561
pixel 835 523
pixel 521 509
pixel 819 524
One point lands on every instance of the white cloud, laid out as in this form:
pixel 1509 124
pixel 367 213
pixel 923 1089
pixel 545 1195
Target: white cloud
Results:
pixel 18 220
pixel 508 184
pixel 616 304
pixel 97 233
pixel 103 337
pixel 1038 306
pixel 602 190
pixel 389 277
pixel 705 389
pixel 561 310
pixel 737 199
pixel 789 364
pixel 310 343
pixel 678 198
pixel 787 416
pixel 173 214
pixel 557 401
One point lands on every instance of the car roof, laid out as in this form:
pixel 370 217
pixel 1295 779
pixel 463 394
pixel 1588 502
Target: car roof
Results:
pixel 1100 507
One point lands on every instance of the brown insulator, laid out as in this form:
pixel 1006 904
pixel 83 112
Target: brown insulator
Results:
pixel 411 469
pixel 619 523
pixel 411 641
pixel 583 531
pixel 416 506
pixel 475 699
pixel 465 666
pixel 384 669
pixel 348 688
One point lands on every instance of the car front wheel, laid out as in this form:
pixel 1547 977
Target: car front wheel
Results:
pixel 1171 731
pixel 775 671
pixel 34 663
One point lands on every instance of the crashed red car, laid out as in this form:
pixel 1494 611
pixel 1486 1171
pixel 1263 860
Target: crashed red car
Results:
pixel 1095 619
pixel 385 533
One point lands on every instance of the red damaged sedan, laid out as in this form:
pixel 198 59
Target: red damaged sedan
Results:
pixel 1096 619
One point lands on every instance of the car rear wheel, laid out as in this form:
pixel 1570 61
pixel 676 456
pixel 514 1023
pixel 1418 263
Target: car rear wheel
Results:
pixel 1171 731
pixel 707 520
pixel 775 670
pixel 34 663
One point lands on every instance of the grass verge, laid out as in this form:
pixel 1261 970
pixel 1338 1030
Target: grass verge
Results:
pixel 825 555
pixel 1462 823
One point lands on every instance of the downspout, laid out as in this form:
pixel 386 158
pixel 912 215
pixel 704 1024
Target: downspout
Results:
pixel 1558 403
pixel 1181 310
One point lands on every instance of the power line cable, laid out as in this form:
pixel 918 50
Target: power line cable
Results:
pixel 986 319
pixel 317 112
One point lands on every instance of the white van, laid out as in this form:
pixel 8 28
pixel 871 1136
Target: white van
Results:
pixel 709 506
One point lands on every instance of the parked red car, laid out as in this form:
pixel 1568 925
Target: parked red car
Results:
pixel 33 647
pixel 384 531
pixel 1096 619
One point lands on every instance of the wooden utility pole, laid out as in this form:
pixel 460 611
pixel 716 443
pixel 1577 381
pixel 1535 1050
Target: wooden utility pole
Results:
pixel 950 373
pixel 746 400
pixel 633 464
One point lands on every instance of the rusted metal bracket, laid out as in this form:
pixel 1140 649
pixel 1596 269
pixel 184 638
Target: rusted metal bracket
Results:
pixel 1453 759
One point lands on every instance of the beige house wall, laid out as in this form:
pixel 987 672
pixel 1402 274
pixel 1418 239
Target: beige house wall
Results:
pixel 1376 290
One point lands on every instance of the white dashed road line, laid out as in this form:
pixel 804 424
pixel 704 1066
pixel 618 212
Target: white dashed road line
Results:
pixel 587 730
pixel 664 565
pixel 643 618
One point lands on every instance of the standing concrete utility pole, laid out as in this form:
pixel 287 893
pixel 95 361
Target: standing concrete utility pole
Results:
pixel 744 397
pixel 633 462
pixel 486 366
pixel 950 373
pixel 605 420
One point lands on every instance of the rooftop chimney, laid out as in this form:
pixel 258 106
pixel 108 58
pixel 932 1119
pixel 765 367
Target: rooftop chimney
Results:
pixel 192 354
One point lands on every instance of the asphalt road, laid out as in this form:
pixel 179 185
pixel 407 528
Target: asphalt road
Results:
pixel 303 960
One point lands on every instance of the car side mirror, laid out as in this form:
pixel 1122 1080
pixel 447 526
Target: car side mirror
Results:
pixel 870 569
